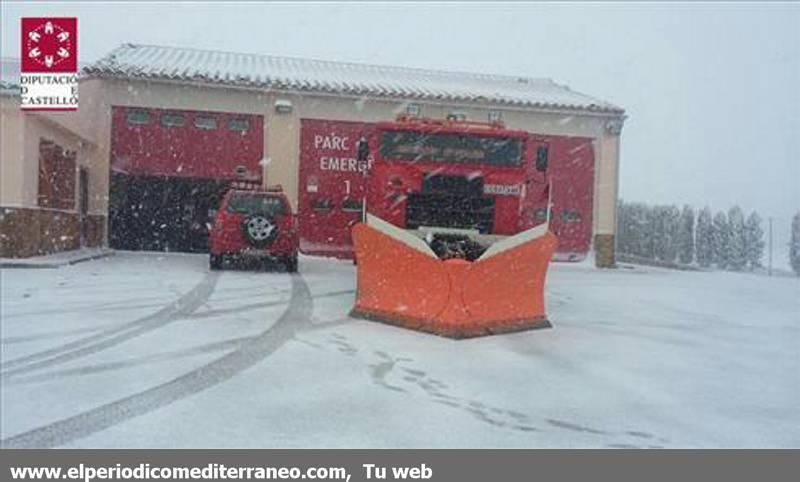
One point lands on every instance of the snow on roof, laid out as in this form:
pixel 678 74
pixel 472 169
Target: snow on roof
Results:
pixel 8 88
pixel 134 61
pixel 9 76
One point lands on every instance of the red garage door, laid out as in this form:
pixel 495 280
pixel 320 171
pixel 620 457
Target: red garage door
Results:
pixel 186 144
pixel 572 175
pixel 332 184
pixel 169 169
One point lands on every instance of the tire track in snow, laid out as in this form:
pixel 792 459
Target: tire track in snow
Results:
pixel 296 317
pixel 230 344
pixel 11 340
pixel 265 304
pixel 183 306
pixel 60 374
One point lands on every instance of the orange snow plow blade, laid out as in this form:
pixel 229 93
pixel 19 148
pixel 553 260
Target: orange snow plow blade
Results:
pixel 402 282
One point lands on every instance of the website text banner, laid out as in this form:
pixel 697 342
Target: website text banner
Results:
pixel 398 465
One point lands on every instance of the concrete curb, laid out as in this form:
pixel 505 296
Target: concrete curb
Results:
pixel 56 260
pixel 626 258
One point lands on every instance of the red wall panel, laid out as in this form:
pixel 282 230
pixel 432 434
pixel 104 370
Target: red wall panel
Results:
pixel 143 145
pixel 331 181
pixel 571 170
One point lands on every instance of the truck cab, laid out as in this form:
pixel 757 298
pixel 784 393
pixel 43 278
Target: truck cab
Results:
pixel 459 185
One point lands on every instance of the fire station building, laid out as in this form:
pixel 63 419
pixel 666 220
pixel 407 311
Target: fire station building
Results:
pixel 161 132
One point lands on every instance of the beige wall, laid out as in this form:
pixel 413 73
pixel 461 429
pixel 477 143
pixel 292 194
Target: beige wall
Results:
pixel 92 122
pixel 12 140
pixel 19 166
pixel 282 131
pixel 606 185
pixel 37 128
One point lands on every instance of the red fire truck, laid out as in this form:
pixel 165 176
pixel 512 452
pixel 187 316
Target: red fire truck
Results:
pixel 460 184
pixel 333 182
pixel 450 242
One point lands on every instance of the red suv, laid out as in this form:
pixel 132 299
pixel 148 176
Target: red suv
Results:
pixel 254 224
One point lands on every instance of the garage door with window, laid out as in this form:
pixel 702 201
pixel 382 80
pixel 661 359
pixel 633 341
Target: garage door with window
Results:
pixel 169 170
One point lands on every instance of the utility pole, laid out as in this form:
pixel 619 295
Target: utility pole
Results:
pixel 770 246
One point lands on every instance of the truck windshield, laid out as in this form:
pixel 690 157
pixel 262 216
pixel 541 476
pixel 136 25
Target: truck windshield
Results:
pixel 451 148
pixel 256 204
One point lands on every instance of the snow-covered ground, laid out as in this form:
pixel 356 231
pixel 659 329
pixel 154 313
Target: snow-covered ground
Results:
pixel 152 350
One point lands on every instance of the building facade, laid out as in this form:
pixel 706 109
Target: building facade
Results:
pixel 169 129
pixel 51 196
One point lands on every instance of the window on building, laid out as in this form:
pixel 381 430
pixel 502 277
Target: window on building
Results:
pixel 56 176
pixel 570 216
pixel 207 122
pixel 322 204
pixel 351 205
pixel 541 214
pixel 171 119
pixel 137 117
pixel 238 124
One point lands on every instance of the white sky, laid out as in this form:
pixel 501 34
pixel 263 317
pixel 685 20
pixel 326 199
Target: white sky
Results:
pixel 712 90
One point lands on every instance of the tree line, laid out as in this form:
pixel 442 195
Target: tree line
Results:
pixel 725 240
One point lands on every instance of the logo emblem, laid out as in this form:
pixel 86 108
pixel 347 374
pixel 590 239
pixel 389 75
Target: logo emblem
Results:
pixel 49 63
pixel 49 44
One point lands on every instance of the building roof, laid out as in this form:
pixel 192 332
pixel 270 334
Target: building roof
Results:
pixel 9 89
pixel 9 76
pixel 153 62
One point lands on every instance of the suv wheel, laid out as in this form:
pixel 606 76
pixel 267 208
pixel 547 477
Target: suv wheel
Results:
pixel 291 263
pixel 215 261
pixel 260 231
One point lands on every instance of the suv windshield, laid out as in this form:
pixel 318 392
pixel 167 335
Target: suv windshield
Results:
pixel 256 204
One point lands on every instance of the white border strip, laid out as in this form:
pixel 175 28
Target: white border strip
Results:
pixel 401 235
pixel 514 241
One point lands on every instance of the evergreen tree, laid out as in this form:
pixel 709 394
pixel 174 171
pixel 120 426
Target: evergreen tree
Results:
pixel 658 232
pixel 794 244
pixel 686 244
pixel 737 256
pixel 705 239
pixel 647 218
pixel 624 228
pixel 720 240
pixel 644 229
pixel 753 241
